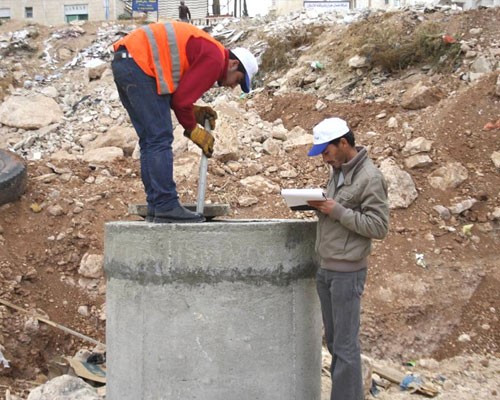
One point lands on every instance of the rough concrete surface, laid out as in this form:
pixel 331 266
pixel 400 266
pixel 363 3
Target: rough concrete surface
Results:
pixel 212 311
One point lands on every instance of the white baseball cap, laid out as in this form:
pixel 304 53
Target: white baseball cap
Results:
pixel 327 130
pixel 250 65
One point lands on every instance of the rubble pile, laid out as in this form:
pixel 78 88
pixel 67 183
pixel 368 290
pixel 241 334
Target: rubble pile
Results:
pixel 433 289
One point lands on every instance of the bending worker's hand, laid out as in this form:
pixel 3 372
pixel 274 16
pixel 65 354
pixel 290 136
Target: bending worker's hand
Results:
pixel 203 139
pixel 203 113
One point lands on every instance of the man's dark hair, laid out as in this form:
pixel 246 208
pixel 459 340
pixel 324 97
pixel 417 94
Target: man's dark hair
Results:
pixel 349 136
pixel 241 68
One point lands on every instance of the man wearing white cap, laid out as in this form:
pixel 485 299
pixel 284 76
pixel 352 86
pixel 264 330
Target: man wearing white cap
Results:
pixel 355 212
pixel 168 66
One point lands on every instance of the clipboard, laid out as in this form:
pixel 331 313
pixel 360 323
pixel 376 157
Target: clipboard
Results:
pixel 297 199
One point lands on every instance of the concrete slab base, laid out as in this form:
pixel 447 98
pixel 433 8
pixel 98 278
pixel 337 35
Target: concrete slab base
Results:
pixel 210 211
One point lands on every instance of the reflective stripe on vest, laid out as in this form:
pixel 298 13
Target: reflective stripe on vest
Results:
pixel 174 57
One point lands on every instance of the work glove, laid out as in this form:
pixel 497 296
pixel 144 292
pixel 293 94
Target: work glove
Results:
pixel 203 113
pixel 203 139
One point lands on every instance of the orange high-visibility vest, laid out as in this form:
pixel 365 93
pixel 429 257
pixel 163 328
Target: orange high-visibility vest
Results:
pixel 159 49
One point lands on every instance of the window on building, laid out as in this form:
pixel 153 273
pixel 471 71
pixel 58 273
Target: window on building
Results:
pixel 4 13
pixel 78 17
pixel 28 12
pixel 76 12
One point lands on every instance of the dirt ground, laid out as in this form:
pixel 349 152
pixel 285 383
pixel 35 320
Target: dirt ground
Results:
pixel 409 312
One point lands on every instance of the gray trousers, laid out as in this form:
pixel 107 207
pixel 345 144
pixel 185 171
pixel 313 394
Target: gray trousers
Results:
pixel 340 298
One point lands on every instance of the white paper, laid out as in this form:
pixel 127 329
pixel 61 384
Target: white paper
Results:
pixel 300 197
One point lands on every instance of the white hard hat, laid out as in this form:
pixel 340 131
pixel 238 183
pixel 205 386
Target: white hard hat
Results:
pixel 250 65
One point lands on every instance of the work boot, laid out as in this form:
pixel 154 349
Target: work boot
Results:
pixel 177 215
pixel 150 216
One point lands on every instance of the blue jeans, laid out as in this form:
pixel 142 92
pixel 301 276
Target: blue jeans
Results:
pixel 151 118
pixel 340 299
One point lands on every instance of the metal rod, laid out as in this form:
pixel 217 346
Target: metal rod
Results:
pixel 51 323
pixel 202 178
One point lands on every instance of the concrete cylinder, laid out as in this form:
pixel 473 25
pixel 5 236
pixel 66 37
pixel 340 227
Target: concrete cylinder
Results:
pixel 212 311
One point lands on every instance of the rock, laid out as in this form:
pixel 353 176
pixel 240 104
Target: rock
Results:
pixel 443 212
pixel 31 112
pixel 279 132
pixel 418 161
pixel 418 145
pixel 392 123
pixel 272 147
pixel 358 62
pixel 475 31
pixel 91 265
pixel 367 371
pixel 63 155
pixel 448 176
pixel 103 154
pixel 320 105
pixel 481 66
pixel 226 142
pixel 429 363
pixel 259 184
pixel 234 166
pixel 495 157
pixel 117 136
pixel 497 87
pixel 420 96
pixel 464 338
pixel 50 91
pixel 401 189
pixel 247 200
pixel 186 165
pixel 462 206
pixel 95 69
pixel 64 387
pixel 55 210
pixel 83 310
pixel 288 171
pixel 298 137
pixel 495 215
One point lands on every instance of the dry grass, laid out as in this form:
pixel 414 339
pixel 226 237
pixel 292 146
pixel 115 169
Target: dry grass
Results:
pixel 393 48
pixel 282 51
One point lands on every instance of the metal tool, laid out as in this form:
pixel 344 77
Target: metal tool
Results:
pixel 202 179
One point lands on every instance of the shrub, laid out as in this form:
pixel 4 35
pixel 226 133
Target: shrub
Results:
pixel 125 16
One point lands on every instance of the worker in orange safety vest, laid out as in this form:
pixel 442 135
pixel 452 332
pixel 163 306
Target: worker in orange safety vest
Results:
pixel 168 66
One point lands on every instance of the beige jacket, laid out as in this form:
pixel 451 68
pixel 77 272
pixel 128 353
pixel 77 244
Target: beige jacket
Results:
pixel 361 213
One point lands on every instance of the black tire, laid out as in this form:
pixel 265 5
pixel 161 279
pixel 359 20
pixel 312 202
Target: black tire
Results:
pixel 13 176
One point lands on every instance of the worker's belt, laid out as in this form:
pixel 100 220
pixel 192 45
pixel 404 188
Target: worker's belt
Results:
pixel 121 55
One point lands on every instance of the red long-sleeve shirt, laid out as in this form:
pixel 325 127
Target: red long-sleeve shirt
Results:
pixel 206 66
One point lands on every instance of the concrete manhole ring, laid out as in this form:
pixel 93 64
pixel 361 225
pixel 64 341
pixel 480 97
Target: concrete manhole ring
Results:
pixel 13 176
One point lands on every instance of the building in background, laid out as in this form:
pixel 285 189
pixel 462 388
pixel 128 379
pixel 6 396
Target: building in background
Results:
pixel 285 6
pixel 55 12
pixel 227 7
pixel 169 9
